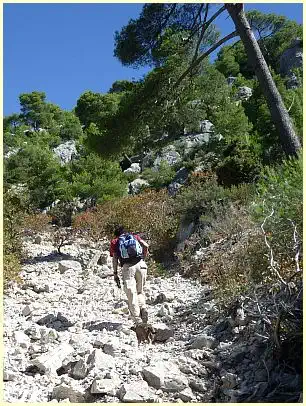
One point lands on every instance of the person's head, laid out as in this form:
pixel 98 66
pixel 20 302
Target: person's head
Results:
pixel 119 230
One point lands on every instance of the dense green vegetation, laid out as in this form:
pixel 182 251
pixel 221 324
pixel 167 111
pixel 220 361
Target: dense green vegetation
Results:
pixel 244 172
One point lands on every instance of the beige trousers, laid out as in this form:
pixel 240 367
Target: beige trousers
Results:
pixel 134 279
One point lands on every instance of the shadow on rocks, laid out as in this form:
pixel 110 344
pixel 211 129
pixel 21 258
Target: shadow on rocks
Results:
pixel 58 323
pixel 108 325
pixel 53 257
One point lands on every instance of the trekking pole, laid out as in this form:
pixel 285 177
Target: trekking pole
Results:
pixel 118 283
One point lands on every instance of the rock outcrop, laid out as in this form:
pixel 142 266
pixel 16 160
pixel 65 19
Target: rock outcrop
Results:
pixel 66 151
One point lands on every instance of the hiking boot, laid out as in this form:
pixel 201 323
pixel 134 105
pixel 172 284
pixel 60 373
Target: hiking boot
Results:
pixel 144 315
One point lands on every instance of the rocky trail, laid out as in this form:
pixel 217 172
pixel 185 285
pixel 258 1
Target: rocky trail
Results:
pixel 68 337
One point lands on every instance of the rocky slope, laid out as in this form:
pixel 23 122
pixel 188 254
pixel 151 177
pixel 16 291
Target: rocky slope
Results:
pixel 68 338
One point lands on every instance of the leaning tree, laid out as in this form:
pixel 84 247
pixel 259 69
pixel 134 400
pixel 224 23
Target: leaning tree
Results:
pixel 137 43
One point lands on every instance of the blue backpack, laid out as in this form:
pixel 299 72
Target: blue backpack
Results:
pixel 129 247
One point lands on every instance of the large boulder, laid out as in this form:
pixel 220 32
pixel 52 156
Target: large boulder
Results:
pixel 136 392
pixel 137 185
pixel 206 126
pixel 71 390
pixel 106 386
pixel 292 57
pixel 181 176
pixel 66 151
pixel 51 361
pixel 100 361
pixel 244 93
pixel 162 332
pixel 165 375
pixel 134 168
pixel 169 155
pixel 194 141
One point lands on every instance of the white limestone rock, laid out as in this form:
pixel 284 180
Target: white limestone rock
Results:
pixel 135 392
pixel 21 339
pixel 65 265
pixel 186 395
pixel 50 362
pixel 134 168
pixel 244 93
pixel 165 375
pixel 101 361
pixel 169 155
pixel 106 386
pixel 66 151
pixel 137 185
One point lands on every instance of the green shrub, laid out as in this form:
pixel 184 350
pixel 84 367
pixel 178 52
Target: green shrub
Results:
pixel 202 196
pixel 237 256
pixel 240 165
pixel 13 218
pixel 279 205
pixel 11 269
pixel 149 213
pixel 161 177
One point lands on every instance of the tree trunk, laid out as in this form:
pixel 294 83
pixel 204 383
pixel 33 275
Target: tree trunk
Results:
pixel 288 139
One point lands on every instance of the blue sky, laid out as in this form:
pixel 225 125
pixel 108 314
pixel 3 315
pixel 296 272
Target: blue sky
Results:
pixel 66 49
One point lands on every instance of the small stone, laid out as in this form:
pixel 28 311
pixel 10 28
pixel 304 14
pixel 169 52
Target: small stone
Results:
pixel 37 239
pixel 229 380
pixel 9 376
pixel 21 339
pixel 186 395
pixel 165 310
pixel 70 391
pixel 80 370
pixel 175 383
pixel 106 386
pixel 26 311
pixel 162 332
pixel 199 386
pixel 64 265
pixel 33 332
pixel 204 341
pixel 165 375
pixel 137 391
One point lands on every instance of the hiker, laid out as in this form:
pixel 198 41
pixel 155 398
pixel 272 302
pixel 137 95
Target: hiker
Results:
pixel 131 250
